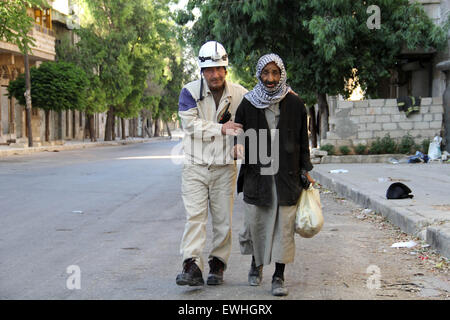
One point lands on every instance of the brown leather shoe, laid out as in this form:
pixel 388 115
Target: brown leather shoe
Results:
pixel 191 274
pixel 216 268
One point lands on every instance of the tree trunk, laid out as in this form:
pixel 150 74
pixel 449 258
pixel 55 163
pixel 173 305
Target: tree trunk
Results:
pixel 60 125
pixel 313 125
pixel 150 126
pixel 74 125
pixel 157 128
pixel 446 119
pixel 28 99
pixel 131 126
pixel 168 129
pixel 324 112
pixel 122 122
pixel 47 125
pixel 109 128
pixel 114 132
pixel 144 126
pixel 92 128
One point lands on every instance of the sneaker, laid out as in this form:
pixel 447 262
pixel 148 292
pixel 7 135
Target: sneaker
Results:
pixel 255 275
pixel 216 268
pixel 278 288
pixel 191 274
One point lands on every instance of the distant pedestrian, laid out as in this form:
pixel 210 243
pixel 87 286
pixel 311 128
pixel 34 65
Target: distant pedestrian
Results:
pixel 270 199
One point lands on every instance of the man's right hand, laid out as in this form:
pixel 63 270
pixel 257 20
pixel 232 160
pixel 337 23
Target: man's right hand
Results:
pixel 231 128
pixel 238 152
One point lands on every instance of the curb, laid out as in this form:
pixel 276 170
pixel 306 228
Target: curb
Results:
pixel 438 237
pixel 355 158
pixel 81 145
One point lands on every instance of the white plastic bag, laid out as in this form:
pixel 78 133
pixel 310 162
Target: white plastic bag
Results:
pixel 309 218
pixel 434 150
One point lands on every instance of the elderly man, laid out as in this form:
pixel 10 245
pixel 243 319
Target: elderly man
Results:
pixel 206 109
pixel 271 196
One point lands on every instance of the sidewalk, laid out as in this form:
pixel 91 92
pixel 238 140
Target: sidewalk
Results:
pixel 6 151
pixel 426 216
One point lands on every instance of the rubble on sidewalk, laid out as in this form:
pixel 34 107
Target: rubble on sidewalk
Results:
pixel 317 154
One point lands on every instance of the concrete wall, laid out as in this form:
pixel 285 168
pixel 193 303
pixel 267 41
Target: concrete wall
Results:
pixel 425 79
pixel 438 11
pixel 355 122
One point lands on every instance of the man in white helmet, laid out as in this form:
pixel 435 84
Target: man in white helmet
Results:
pixel 206 109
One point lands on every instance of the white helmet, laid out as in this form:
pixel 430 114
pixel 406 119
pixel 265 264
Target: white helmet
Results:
pixel 212 54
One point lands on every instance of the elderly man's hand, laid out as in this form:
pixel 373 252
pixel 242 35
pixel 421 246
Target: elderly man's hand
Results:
pixel 311 180
pixel 231 128
pixel 238 151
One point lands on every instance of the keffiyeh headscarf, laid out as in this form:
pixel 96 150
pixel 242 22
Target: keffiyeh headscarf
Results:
pixel 261 96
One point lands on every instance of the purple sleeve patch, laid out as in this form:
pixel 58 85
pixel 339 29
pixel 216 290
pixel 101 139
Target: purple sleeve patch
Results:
pixel 186 101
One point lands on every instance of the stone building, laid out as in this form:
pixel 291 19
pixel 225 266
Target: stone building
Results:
pixel 12 115
pixel 50 26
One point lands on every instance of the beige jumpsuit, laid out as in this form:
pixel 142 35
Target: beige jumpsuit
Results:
pixel 209 173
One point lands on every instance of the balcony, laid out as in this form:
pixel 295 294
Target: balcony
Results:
pixel 44 48
pixel 44 43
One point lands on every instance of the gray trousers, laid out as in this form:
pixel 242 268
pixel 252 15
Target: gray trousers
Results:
pixel 268 232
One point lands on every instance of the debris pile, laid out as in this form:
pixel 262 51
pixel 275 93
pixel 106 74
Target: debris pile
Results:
pixel 317 154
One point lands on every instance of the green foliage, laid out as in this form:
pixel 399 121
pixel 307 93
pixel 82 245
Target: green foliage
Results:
pixel 383 145
pixel 425 145
pixel 360 148
pixel 328 148
pixel 376 147
pixel 15 24
pixel 344 150
pixel 127 44
pixel 87 58
pixel 388 144
pixel 54 86
pixel 323 43
pixel 406 145
pixel 168 105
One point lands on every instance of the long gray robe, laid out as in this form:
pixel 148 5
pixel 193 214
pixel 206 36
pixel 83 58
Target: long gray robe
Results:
pixel 268 232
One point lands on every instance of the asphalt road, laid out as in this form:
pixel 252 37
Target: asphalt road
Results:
pixel 106 223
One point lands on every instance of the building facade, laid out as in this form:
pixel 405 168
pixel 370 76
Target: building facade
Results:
pixel 12 115
pixel 50 25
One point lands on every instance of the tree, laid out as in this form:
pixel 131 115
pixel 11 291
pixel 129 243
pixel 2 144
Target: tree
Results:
pixel 55 86
pixel 323 43
pixel 134 38
pixel 15 26
pixel 168 105
pixel 88 55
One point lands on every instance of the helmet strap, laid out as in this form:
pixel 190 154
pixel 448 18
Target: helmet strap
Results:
pixel 201 85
